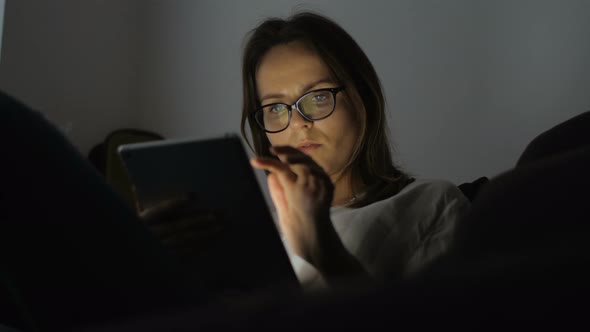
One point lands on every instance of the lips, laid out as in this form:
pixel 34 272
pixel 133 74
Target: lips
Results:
pixel 307 147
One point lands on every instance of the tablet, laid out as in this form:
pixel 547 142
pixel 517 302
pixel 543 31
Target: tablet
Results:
pixel 249 254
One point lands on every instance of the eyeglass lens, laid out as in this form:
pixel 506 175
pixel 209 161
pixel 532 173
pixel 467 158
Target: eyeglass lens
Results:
pixel 315 106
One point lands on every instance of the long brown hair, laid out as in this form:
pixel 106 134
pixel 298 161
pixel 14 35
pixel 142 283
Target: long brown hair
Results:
pixel 371 160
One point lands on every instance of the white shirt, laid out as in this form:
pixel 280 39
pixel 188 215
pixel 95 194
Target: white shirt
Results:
pixel 397 236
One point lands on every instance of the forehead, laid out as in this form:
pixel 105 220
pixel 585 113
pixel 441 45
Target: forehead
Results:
pixel 287 68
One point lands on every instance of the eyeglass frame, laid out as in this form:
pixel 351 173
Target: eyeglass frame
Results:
pixel 295 105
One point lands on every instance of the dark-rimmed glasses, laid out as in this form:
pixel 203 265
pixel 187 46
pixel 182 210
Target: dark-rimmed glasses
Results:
pixel 312 106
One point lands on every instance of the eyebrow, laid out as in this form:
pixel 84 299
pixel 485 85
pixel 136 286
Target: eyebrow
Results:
pixel 306 88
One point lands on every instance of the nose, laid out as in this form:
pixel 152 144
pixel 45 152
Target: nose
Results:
pixel 298 121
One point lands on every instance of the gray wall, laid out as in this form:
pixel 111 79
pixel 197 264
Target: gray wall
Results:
pixel 76 61
pixel 469 83
pixel 2 3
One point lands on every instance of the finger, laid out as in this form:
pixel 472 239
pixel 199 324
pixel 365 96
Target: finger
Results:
pixel 311 165
pixel 299 159
pixel 266 163
pixel 274 166
pixel 304 175
pixel 277 194
pixel 160 207
pixel 171 209
pixel 306 166
pixel 286 151
pixel 291 155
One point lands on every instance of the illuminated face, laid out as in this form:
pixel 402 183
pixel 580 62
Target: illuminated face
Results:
pixel 288 72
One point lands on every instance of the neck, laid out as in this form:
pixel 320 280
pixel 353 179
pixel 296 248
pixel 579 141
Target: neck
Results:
pixel 344 189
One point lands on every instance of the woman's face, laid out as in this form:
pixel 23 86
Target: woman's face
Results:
pixel 286 73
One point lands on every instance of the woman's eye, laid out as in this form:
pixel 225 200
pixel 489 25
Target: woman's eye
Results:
pixel 320 98
pixel 279 108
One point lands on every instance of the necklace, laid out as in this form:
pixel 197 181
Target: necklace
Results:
pixel 346 202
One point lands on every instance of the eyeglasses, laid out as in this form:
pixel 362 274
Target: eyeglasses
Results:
pixel 312 106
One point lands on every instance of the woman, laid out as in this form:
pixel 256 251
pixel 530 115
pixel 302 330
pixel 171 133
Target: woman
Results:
pixel 316 111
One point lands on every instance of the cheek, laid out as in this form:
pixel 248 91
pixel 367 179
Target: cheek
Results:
pixel 351 134
pixel 277 139
pixel 349 122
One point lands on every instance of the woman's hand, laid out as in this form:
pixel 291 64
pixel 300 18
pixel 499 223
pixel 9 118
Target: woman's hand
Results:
pixel 302 193
pixel 183 227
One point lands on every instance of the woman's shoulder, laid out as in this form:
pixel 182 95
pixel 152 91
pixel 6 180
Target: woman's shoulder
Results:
pixel 420 196
pixel 432 189
pixel 430 198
